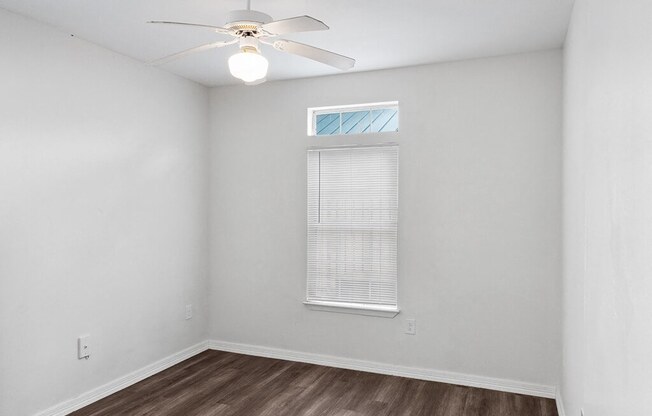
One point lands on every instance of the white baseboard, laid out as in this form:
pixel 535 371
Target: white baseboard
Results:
pixel 490 383
pixel 99 393
pixel 560 404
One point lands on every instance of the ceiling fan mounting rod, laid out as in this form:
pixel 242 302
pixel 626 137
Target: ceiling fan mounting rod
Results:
pixel 248 4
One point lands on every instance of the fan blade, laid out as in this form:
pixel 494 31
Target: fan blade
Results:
pixel 316 54
pixel 214 28
pixel 193 50
pixel 293 25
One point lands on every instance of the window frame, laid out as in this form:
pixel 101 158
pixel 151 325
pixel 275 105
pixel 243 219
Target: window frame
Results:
pixel 368 309
pixel 313 112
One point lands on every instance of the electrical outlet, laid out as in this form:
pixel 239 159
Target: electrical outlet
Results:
pixel 83 347
pixel 188 312
pixel 411 326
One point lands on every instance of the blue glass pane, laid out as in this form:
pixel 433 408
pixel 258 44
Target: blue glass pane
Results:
pixel 356 122
pixel 327 124
pixel 385 119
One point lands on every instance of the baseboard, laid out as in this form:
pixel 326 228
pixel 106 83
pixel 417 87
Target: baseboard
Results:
pixel 490 383
pixel 560 404
pixel 99 393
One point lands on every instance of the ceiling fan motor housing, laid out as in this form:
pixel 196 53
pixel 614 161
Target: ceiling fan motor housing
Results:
pixel 247 21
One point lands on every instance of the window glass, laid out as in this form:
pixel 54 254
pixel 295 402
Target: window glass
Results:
pixel 328 124
pixel 353 119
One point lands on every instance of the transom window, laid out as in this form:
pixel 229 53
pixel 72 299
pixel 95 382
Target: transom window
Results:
pixel 353 119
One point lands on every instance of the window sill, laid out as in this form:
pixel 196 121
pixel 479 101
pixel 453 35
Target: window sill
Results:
pixel 353 308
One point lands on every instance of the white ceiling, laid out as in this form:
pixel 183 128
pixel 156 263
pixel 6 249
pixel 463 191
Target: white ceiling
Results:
pixel 378 34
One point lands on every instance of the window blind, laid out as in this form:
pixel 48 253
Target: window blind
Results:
pixel 352 225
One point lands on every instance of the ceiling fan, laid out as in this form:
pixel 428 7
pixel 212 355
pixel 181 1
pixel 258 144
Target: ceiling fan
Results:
pixel 250 29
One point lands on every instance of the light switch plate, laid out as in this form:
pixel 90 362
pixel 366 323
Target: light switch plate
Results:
pixel 83 347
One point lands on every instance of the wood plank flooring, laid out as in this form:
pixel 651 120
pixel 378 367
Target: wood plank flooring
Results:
pixel 216 383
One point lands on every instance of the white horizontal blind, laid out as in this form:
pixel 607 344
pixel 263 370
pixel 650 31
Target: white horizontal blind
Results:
pixel 352 225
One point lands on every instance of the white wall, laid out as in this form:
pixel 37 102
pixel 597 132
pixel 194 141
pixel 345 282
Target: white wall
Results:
pixel 608 209
pixel 480 217
pixel 103 196
pixel 104 203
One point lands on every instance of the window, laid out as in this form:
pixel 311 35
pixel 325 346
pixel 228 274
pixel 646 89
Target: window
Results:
pixel 352 228
pixel 353 119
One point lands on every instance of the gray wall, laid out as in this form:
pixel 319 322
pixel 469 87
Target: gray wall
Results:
pixel 608 210
pixel 103 208
pixel 479 228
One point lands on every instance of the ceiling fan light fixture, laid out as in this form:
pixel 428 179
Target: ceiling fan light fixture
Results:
pixel 248 65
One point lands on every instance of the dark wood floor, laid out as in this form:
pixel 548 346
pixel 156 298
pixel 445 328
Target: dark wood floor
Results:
pixel 216 383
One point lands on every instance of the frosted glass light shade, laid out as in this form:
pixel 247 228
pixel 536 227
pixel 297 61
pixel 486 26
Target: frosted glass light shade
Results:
pixel 248 66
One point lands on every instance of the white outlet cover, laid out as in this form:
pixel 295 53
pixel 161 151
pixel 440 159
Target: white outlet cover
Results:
pixel 188 311
pixel 411 326
pixel 83 347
